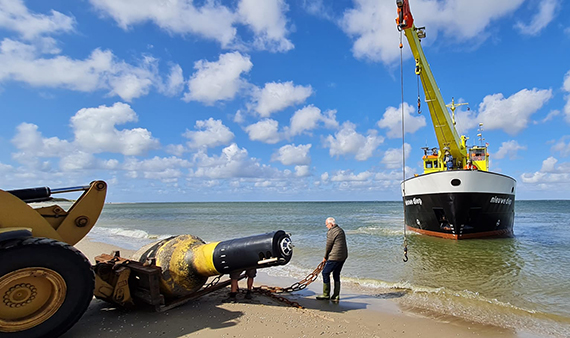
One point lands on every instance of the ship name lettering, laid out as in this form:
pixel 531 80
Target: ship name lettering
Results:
pixel 414 201
pixel 498 200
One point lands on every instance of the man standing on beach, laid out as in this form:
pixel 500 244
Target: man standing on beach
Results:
pixel 336 252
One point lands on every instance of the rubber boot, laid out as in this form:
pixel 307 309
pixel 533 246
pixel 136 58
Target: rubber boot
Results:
pixel 336 294
pixel 231 299
pixel 326 292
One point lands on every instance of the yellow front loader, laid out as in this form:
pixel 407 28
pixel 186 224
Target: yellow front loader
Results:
pixel 45 283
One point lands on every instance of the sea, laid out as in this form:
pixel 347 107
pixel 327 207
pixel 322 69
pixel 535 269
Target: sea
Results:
pixel 520 283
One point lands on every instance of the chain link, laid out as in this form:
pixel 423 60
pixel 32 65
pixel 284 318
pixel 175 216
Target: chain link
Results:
pixel 213 282
pixel 272 291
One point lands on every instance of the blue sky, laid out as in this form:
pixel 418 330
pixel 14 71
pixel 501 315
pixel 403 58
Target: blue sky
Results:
pixel 273 100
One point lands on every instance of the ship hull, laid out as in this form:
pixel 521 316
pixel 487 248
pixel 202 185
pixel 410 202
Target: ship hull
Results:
pixel 460 204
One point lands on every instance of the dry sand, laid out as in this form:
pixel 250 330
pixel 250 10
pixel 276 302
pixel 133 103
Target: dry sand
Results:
pixel 357 315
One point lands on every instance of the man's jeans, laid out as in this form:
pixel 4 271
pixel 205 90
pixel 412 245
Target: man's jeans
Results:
pixel 334 267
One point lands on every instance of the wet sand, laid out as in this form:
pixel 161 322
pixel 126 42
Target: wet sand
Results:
pixel 357 315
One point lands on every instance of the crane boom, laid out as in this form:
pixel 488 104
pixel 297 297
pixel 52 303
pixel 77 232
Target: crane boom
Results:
pixel 444 126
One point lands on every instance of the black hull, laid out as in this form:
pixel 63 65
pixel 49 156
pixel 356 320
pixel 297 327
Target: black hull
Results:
pixel 483 207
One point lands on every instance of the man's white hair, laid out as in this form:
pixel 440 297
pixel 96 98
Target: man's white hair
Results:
pixel 331 220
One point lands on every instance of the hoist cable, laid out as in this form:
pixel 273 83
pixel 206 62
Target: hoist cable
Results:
pixel 405 259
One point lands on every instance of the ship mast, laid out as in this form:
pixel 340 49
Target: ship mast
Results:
pixel 443 124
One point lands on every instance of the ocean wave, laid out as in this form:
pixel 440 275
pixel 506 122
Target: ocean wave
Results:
pixel 441 302
pixel 474 307
pixel 132 239
pixel 289 271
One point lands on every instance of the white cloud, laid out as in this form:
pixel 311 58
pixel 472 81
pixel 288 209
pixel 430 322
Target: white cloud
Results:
pixel 392 158
pixel 549 164
pixel 218 81
pixel 511 114
pixel 562 147
pixel 303 121
pixel 14 15
pixel 95 131
pixel 302 171
pixel 347 141
pixel 73 156
pixel 132 82
pixel 348 175
pixel 5 168
pixel 551 177
pixel 268 22
pixel 510 149
pixel 266 131
pixel 175 149
pixel 100 71
pixel 318 8
pixel 465 120
pixel 32 145
pixel 275 97
pixel 392 120
pixel 239 117
pixel 211 133
pixel 165 169
pixel 307 119
pixel 20 62
pixel 233 162
pixel 546 12
pixel 78 160
pixel 211 21
pixel 175 81
pixel 291 154
pixel 371 23
pixel 549 117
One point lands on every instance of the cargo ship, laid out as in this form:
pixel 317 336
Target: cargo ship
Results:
pixel 456 196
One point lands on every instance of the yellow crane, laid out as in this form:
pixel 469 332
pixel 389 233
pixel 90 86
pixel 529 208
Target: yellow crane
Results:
pixel 443 123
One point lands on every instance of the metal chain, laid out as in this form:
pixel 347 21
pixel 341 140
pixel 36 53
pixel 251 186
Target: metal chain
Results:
pixel 272 291
pixel 297 286
pixel 213 282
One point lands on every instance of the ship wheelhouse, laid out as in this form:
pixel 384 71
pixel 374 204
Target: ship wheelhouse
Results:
pixel 479 158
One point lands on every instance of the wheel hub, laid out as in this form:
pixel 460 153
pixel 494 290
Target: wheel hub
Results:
pixel 28 297
pixel 20 295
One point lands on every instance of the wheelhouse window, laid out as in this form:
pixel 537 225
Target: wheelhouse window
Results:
pixel 478 154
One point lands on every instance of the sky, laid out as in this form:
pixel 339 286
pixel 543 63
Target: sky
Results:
pixel 274 100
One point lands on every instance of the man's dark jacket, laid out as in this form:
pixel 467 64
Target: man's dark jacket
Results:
pixel 336 249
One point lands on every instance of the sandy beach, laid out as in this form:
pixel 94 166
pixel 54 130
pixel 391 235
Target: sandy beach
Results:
pixel 357 315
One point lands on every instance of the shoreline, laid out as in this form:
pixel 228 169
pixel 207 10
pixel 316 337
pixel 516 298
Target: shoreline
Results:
pixel 357 315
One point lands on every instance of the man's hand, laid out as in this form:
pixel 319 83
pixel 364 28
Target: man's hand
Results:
pixel 324 260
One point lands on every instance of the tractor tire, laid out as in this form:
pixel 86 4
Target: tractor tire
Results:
pixel 45 287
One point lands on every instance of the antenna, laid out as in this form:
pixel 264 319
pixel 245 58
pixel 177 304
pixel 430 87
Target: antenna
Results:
pixel 454 106
pixel 480 134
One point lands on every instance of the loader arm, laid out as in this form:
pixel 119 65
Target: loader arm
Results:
pixel 53 221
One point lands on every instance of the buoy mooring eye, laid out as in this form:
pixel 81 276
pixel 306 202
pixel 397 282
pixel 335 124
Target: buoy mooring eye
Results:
pixel 286 246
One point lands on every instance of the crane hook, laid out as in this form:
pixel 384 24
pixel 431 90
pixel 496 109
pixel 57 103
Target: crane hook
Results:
pixel 419 105
pixel 405 259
